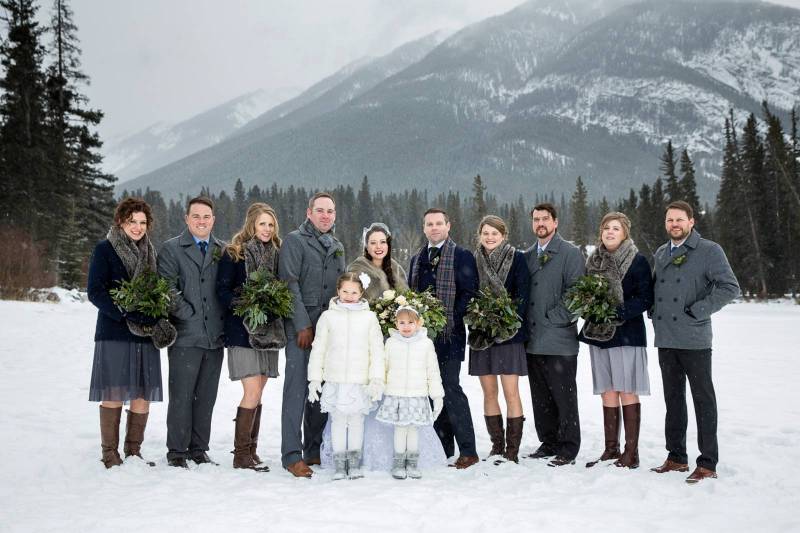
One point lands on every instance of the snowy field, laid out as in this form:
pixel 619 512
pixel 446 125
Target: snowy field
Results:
pixel 52 479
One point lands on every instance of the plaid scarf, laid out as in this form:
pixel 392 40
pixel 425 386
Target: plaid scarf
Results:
pixel 445 282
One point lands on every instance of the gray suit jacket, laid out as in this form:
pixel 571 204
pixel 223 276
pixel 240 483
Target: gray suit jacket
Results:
pixel 551 328
pixel 311 273
pixel 197 314
pixel 703 285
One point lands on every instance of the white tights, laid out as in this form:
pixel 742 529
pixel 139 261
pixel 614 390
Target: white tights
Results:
pixel 347 432
pixel 406 439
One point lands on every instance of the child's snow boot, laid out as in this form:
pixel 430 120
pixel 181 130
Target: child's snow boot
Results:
pixel 340 463
pixel 354 464
pixel 399 466
pixel 412 465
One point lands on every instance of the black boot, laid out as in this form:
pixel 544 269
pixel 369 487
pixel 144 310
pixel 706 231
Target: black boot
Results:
pixel 611 429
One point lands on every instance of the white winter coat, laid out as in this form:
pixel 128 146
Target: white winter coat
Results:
pixel 347 347
pixel 412 369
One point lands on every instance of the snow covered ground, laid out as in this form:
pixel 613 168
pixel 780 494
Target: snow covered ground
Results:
pixel 52 478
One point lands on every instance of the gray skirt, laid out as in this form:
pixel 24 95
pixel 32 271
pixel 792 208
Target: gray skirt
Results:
pixel 502 360
pixel 124 371
pixel 245 362
pixel 620 369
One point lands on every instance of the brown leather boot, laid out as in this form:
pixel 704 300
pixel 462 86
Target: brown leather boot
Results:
pixel 611 417
pixel 242 438
pixel 254 436
pixel 632 418
pixel 134 435
pixel 513 438
pixel 109 435
pixel 494 426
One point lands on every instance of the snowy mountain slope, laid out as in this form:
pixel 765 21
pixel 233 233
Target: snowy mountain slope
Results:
pixel 535 97
pixel 163 143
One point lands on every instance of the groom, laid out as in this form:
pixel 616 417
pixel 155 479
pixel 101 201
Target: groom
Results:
pixel 452 275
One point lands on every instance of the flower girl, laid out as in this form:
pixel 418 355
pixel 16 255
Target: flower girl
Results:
pixel 347 354
pixel 412 376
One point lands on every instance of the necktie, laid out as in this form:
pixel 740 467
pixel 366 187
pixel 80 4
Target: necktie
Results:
pixel 433 253
pixel 203 246
pixel 539 251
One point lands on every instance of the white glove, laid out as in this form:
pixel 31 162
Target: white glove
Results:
pixel 375 390
pixel 438 405
pixel 314 388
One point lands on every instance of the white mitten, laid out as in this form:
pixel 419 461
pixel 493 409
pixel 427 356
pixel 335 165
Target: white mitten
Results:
pixel 314 388
pixel 375 390
pixel 438 405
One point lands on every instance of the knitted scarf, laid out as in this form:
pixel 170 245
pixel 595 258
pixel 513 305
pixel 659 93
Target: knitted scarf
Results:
pixel 493 267
pixel 259 255
pixel 445 282
pixel 613 266
pixel 325 239
pixel 139 257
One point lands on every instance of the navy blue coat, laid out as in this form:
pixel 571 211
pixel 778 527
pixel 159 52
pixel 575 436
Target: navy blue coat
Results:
pixel 466 271
pixel 517 285
pixel 105 272
pixel 637 291
pixel 231 275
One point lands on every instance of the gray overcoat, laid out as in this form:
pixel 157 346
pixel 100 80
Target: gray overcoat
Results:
pixel 703 284
pixel 311 273
pixel 551 328
pixel 197 314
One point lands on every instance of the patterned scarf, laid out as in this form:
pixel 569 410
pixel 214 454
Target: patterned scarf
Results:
pixel 493 267
pixel 613 266
pixel 259 255
pixel 445 282
pixel 325 239
pixel 139 257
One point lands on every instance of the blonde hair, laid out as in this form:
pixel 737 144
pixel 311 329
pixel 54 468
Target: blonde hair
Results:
pixel 351 277
pixel 622 218
pixel 248 230
pixel 494 221
pixel 407 313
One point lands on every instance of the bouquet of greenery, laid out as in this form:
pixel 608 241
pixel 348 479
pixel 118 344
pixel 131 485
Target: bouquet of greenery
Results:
pixel 590 298
pixel 430 309
pixel 262 299
pixel 148 293
pixel 491 319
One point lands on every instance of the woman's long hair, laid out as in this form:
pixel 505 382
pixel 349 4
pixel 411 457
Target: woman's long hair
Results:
pixel 386 264
pixel 248 230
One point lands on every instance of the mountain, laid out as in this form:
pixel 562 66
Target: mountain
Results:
pixel 163 143
pixel 530 100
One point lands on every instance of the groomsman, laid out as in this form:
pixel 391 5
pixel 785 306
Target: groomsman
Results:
pixel 552 347
pixel 693 280
pixel 310 262
pixel 452 274
pixel 189 263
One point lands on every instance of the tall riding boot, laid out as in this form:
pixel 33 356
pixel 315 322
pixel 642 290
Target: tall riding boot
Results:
pixel 134 434
pixel 242 438
pixel 513 438
pixel 632 418
pixel 254 436
pixel 109 435
pixel 611 417
pixel 494 426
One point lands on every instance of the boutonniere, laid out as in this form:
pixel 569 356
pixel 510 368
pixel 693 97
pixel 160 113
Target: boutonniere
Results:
pixel 216 255
pixel 338 253
pixel 435 261
pixel 681 259
pixel 543 259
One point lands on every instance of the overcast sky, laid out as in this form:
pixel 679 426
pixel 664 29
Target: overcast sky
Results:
pixel 154 60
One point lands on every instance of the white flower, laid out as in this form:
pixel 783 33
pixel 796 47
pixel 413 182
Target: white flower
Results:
pixel 365 280
pixel 401 300
pixel 389 294
pixel 384 314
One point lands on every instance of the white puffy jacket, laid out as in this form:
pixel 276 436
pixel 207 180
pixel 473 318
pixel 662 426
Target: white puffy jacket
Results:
pixel 411 366
pixel 348 346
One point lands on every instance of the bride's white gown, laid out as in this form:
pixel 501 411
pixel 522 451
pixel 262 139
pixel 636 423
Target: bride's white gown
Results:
pixel 379 446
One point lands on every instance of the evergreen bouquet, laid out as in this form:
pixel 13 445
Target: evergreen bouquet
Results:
pixel 262 299
pixel 590 298
pixel 429 307
pixel 491 319
pixel 148 293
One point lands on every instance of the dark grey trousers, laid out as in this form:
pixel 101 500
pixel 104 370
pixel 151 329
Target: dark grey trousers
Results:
pixel 454 424
pixel 678 366
pixel 193 382
pixel 554 395
pixel 297 412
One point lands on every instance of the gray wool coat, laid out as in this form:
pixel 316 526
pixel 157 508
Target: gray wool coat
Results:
pixel 311 273
pixel 197 314
pixel 551 328
pixel 687 295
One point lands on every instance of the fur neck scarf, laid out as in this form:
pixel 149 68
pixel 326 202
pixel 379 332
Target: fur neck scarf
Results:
pixel 493 267
pixel 263 256
pixel 613 266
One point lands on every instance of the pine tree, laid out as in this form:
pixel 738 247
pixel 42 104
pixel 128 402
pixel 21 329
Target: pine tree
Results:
pixel 580 215
pixel 688 186
pixel 363 211
pixel 239 201
pixel 73 249
pixel 751 166
pixel 667 167
pixel 478 198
